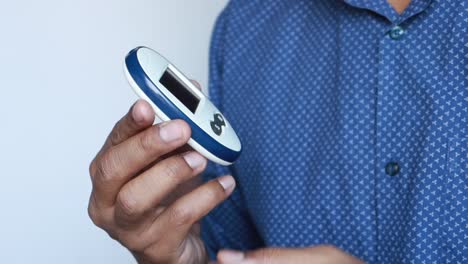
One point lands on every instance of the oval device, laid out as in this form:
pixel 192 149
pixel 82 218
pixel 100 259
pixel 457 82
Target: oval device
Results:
pixel 173 96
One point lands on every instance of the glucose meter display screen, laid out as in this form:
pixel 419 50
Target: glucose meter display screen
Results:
pixel 179 90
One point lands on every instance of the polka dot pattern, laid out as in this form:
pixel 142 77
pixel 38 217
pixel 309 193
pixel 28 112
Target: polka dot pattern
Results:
pixel 324 95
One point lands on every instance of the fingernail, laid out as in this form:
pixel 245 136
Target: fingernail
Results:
pixel 170 131
pixel 194 160
pixel 230 256
pixel 227 182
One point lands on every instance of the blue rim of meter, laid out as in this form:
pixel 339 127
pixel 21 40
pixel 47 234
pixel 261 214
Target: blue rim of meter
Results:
pixel 171 110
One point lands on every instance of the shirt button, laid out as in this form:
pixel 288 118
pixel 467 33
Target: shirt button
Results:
pixel 392 168
pixel 396 32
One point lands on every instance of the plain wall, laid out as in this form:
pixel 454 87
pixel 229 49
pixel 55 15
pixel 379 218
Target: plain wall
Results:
pixel 62 89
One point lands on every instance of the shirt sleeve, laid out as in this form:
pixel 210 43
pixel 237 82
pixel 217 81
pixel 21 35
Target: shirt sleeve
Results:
pixel 228 225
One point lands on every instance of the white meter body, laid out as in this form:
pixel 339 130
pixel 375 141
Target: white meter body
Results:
pixel 174 96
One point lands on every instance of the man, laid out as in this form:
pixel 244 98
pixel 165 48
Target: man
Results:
pixel 353 117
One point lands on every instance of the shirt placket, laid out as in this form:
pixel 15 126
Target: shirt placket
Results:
pixel 393 178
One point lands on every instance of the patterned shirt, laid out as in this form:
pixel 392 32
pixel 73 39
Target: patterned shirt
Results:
pixel 353 123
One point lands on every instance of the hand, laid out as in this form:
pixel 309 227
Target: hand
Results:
pixel 318 254
pixel 135 176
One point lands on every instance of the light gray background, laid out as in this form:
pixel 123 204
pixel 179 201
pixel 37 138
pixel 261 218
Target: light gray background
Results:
pixel 62 89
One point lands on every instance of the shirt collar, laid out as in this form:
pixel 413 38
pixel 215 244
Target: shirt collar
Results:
pixel 383 8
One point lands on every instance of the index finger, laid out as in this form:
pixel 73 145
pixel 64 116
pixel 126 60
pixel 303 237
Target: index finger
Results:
pixel 140 116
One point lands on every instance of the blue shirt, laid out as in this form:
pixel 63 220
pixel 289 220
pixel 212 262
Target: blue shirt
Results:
pixel 353 123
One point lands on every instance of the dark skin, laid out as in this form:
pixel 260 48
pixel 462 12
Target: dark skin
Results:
pixel 146 195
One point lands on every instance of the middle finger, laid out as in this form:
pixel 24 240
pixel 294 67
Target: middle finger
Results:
pixel 145 192
pixel 120 163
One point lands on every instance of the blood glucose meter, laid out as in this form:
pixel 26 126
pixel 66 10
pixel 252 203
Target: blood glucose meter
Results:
pixel 173 96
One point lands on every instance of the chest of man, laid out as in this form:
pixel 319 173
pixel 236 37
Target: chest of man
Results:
pixel 353 125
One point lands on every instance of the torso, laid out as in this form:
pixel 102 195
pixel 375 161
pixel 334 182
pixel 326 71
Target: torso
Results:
pixel 323 99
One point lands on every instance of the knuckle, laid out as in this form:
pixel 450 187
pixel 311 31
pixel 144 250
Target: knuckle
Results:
pixel 95 215
pixel 105 167
pixel 173 169
pixel 147 142
pixel 116 136
pixel 215 192
pixel 132 242
pixel 180 216
pixel 127 203
pixel 113 234
pixel 92 168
